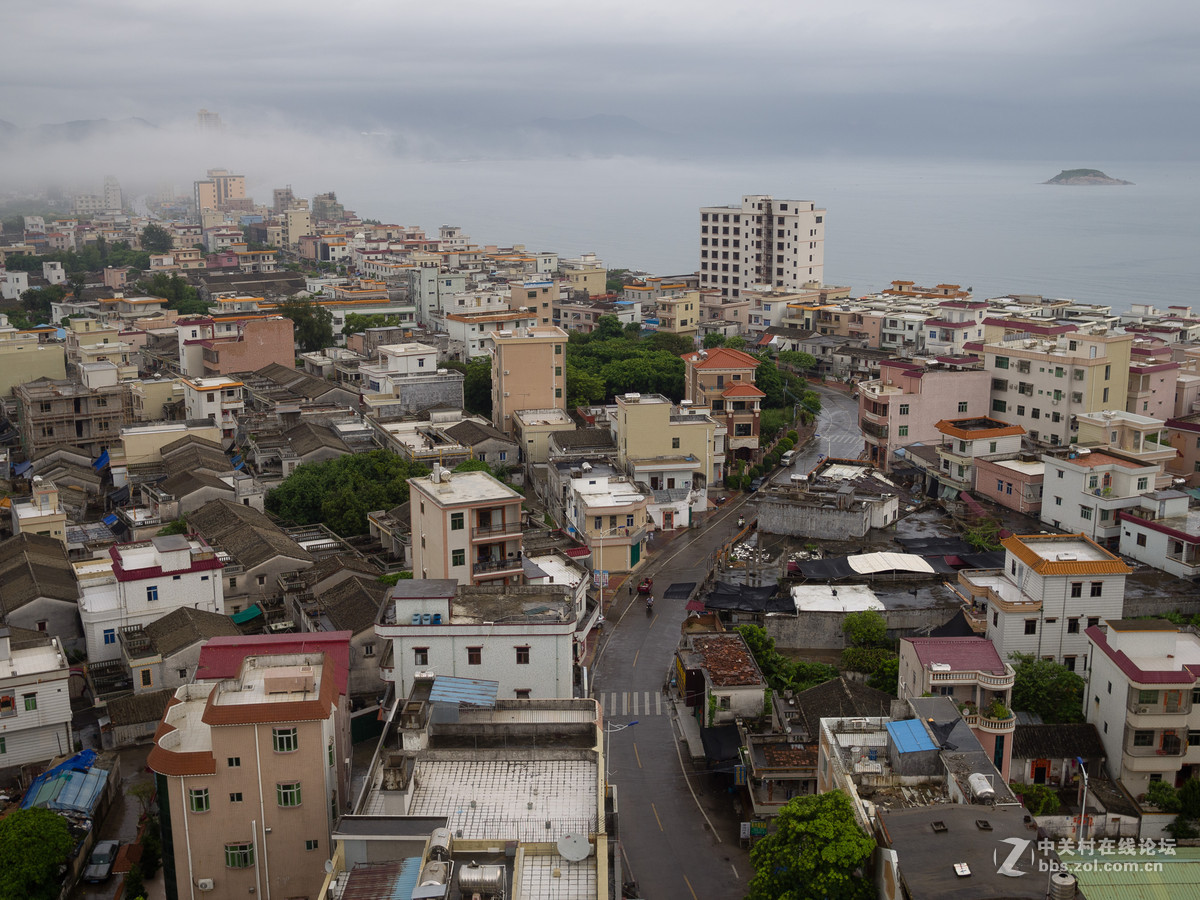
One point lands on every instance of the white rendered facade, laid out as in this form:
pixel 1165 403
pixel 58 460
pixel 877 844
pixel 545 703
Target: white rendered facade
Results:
pixel 1143 699
pixel 35 703
pixel 1051 589
pixel 141 582
pixel 780 243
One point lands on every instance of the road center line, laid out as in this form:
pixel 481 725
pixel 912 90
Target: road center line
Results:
pixel 690 888
pixel 637 755
pixel 660 828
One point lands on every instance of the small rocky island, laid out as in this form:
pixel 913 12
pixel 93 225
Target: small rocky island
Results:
pixel 1084 176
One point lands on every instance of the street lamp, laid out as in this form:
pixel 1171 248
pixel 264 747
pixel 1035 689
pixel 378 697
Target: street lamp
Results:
pixel 608 730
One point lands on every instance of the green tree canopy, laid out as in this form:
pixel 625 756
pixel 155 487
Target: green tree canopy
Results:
pixel 780 672
pixel 313 323
pixel 815 850
pixel 176 290
pixel 713 339
pixel 583 387
pixel 34 845
pixel 1044 687
pixel 356 322
pixel 795 359
pixel 156 239
pixel 867 628
pixel 340 492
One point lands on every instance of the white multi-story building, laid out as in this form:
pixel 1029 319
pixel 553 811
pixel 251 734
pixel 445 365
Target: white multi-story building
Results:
pixel 35 702
pixel 141 582
pixel 520 636
pixel 780 243
pixel 1051 589
pixel 1084 490
pixel 1143 698
pixel 217 399
pixel 957 322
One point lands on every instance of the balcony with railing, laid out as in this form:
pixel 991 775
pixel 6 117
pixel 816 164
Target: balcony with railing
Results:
pixel 494 530
pixel 1151 743
pixel 871 429
pixel 495 567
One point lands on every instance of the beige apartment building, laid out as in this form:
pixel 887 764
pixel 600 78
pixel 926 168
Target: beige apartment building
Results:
pixel 676 451
pixel 1043 383
pixel 220 190
pixel 723 381
pixel 255 774
pixel 780 243
pixel 528 372
pixel 585 273
pixel 23 357
pixel 465 526
pixel 679 313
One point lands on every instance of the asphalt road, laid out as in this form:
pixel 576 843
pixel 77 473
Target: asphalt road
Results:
pixel 838 434
pixel 672 850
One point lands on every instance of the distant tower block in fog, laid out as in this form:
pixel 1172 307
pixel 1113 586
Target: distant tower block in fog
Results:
pixel 208 121
pixel 777 243
pixel 112 195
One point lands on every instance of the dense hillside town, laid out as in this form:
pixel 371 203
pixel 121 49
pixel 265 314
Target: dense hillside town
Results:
pixel 372 540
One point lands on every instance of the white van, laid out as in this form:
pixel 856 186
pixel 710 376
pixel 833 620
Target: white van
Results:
pixel 786 459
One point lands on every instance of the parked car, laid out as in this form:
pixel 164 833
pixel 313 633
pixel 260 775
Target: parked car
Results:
pixel 647 586
pixel 757 483
pixel 786 459
pixel 100 863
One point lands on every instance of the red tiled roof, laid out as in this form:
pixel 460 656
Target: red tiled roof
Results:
pixel 1131 669
pixel 727 659
pixel 965 654
pixel 742 390
pixel 222 657
pixel 720 358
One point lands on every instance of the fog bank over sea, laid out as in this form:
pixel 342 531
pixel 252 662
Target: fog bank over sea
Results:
pixel 991 226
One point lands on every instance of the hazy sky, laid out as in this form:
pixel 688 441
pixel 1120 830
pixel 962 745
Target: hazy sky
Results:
pixel 1007 78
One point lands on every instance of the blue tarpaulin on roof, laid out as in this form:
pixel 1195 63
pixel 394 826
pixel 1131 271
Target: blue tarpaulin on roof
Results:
pixel 246 614
pixel 110 519
pixel 239 466
pixel 237 458
pixel 71 786
pixel 909 736
pixel 101 461
pixel 21 468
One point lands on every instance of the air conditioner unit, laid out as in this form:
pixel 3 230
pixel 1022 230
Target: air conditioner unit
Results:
pixel 204 884
pixel 1142 710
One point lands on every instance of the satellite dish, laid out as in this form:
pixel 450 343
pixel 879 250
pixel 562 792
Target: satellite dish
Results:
pixel 574 847
pixel 328 866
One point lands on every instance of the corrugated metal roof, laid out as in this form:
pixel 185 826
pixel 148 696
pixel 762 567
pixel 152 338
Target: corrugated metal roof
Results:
pixel 72 786
pixel 453 689
pixel 383 881
pixel 1179 878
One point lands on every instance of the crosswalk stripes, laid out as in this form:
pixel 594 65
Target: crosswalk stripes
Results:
pixel 631 703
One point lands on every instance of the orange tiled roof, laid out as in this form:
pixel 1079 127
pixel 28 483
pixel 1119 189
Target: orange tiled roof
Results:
pixel 1111 565
pixel 742 390
pixel 720 358
pixel 1001 429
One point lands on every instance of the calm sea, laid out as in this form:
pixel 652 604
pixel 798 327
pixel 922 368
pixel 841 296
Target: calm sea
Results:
pixel 987 225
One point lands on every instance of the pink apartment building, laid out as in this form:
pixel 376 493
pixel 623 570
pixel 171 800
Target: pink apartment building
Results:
pixel 905 403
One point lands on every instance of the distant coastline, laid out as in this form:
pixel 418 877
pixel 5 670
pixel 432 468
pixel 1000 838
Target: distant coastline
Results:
pixel 1084 176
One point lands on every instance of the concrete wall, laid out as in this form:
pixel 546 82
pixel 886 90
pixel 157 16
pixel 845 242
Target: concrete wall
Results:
pixel 823 630
pixel 830 524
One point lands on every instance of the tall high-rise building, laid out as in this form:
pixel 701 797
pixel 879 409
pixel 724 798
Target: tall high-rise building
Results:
pixel 775 243
pixel 113 201
pixel 208 121
pixel 528 372
pixel 220 190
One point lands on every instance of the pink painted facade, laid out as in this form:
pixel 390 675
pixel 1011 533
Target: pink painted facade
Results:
pixel 904 405
pixel 1012 483
pixel 1152 389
